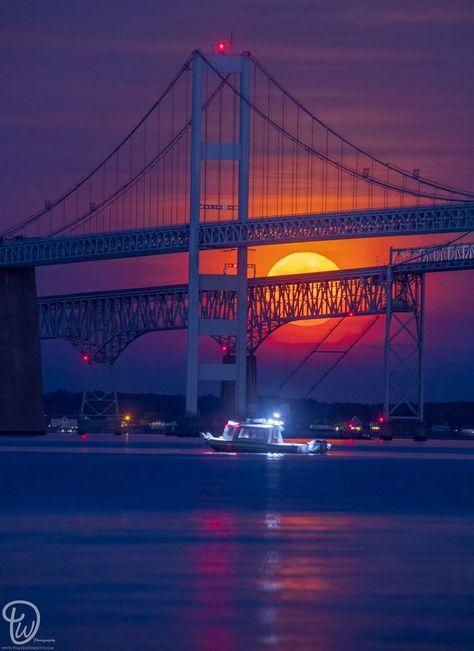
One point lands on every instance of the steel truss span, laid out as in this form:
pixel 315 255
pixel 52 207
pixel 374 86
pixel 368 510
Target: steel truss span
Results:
pixel 428 258
pixel 103 324
pixel 269 230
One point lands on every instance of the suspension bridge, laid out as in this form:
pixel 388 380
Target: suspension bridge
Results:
pixel 225 157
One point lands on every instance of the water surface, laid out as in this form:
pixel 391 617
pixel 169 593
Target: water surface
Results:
pixel 149 542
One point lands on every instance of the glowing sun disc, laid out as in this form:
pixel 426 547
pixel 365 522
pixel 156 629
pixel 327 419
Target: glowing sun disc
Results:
pixel 303 262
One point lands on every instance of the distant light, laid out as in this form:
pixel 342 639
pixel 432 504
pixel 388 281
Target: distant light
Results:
pixel 127 418
pixel 221 47
pixel 224 349
pixel 381 419
pixel 351 313
pixel 276 415
pixel 86 358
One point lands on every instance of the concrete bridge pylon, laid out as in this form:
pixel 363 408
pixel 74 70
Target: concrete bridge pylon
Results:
pixel 21 384
pixel 196 370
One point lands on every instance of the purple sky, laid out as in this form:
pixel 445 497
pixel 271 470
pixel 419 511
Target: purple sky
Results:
pixel 395 78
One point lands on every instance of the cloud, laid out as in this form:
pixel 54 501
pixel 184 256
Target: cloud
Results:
pixel 11 39
pixel 36 39
pixel 440 16
pixel 54 120
pixel 343 54
pixel 443 15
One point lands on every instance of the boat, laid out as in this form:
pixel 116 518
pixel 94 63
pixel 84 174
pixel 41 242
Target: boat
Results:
pixel 260 435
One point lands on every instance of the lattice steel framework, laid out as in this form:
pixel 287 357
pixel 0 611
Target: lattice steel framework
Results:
pixel 404 349
pixel 404 337
pixel 431 257
pixel 99 406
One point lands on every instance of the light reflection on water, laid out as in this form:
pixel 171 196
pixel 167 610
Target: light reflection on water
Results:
pixel 249 559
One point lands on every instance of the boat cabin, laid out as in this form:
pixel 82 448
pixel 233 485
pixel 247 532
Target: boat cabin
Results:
pixel 262 430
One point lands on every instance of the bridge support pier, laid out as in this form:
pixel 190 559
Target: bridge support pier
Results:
pixel 252 395
pixel 21 384
pixel 228 389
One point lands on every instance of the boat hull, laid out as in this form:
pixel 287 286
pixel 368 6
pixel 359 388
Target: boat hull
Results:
pixel 226 445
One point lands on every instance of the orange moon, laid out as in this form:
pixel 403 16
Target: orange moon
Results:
pixel 303 262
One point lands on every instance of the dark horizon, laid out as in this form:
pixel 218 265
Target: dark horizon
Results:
pixel 294 411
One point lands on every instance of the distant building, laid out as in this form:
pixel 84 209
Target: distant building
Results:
pixel 441 429
pixel 354 425
pixel 163 427
pixel 63 424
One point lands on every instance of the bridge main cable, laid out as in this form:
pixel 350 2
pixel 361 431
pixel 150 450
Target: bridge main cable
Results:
pixel 67 193
pixel 394 168
pixel 340 165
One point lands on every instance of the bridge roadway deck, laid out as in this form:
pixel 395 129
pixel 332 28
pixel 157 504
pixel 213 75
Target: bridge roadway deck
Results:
pixel 419 264
pixel 415 220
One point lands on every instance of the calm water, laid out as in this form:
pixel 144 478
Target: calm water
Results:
pixel 155 543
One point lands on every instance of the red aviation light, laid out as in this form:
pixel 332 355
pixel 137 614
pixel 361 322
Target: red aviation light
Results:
pixel 381 419
pixel 220 47
pixel 86 358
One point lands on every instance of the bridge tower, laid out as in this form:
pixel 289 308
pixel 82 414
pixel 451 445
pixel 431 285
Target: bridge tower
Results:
pixel 99 406
pixel 404 349
pixel 235 285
